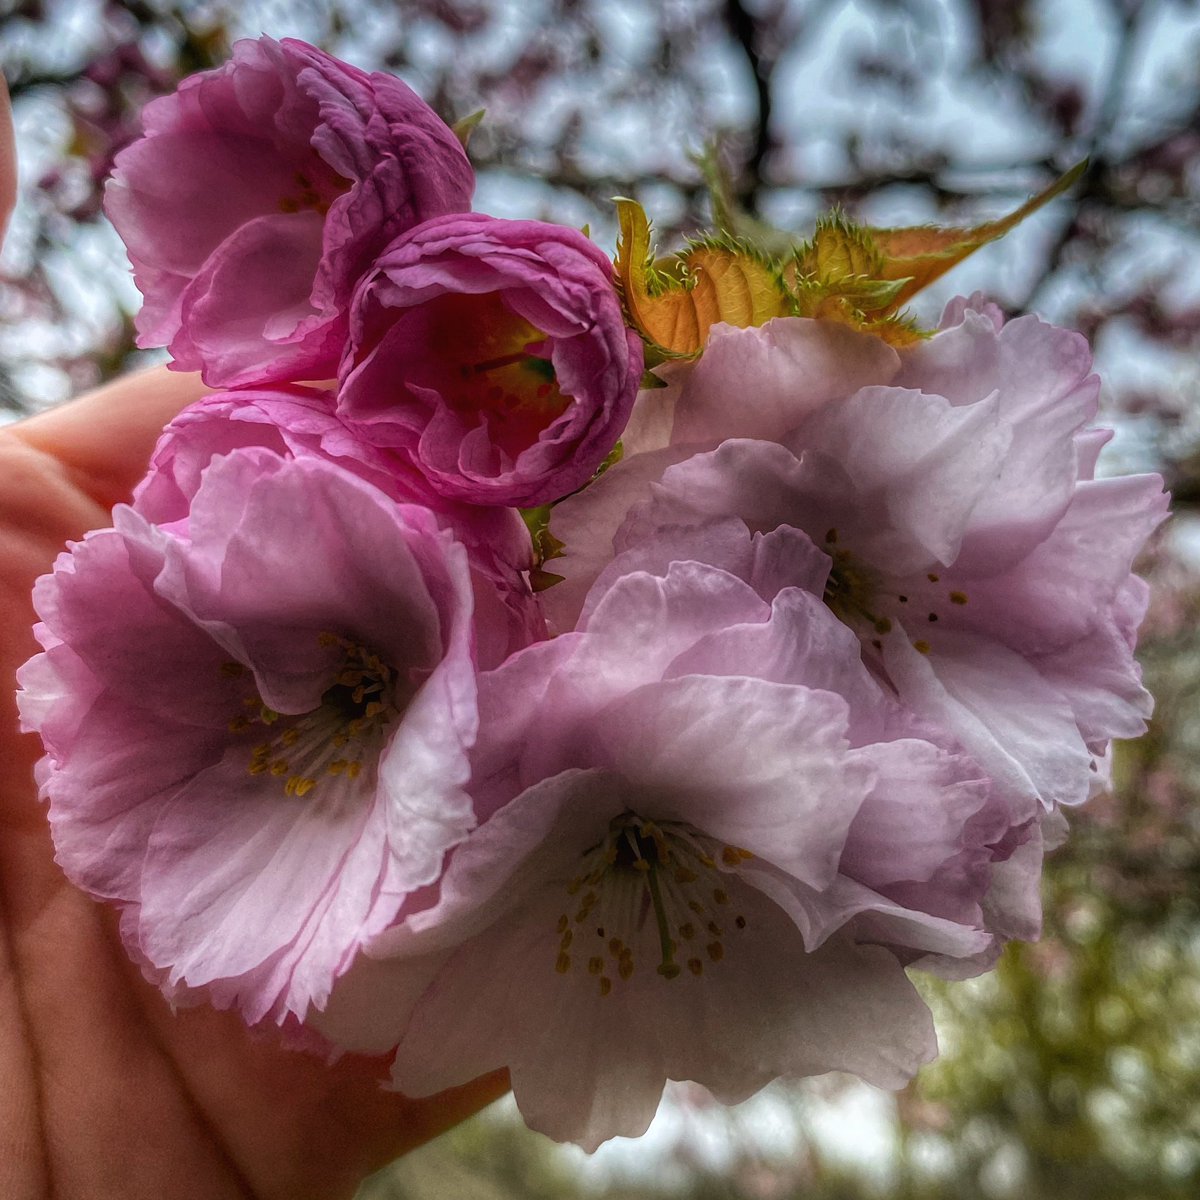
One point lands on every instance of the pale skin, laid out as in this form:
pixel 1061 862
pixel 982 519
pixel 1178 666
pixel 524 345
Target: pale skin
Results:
pixel 105 1094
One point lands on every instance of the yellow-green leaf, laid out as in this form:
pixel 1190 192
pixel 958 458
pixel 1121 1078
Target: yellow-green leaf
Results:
pixel 839 250
pixel 866 294
pixel 465 126
pixel 673 303
pixel 923 253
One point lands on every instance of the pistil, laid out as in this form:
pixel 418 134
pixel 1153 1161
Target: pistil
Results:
pixel 336 739
pixel 641 868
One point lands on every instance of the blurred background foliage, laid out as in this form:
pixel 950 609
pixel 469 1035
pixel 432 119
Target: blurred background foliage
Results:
pixel 1073 1071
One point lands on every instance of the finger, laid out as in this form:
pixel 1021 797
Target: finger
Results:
pixel 104 438
pixel 8 160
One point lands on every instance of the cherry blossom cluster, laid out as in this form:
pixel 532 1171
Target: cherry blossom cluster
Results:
pixel 836 625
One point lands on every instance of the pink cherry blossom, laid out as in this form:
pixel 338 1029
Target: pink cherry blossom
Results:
pixel 257 724
pixel 260 193
pixel 709 844
pixel 785 369
pixel 494 353
pixel 296 421
pixel 984 568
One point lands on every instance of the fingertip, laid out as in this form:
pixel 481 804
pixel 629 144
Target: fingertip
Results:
pixel 105 437
pixel 412 1123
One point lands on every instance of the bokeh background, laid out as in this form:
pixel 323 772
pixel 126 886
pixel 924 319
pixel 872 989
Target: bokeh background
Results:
pixel 1073 1071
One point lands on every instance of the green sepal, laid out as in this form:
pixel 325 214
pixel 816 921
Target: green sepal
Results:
pixel 465 126
pixel 540 580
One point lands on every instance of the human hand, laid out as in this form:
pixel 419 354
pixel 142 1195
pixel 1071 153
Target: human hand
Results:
pixel 107 1093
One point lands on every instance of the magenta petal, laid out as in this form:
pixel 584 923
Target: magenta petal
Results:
pixel 268 263
pixel 495 353
pixel 101 602
pixel 289 136
pixel 299 422
pixel 286 515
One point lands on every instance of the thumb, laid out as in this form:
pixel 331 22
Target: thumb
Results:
pixel 104 439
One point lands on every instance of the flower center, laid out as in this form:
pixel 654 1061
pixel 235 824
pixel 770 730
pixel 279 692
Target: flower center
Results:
pixel 643 869
pixel 853 588
pixel 497 368
pixel 315 190
pixel 859 595
pixel 338 738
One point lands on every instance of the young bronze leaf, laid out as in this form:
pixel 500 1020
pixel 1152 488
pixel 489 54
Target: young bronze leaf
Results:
pixel 924 252
pixel 674 303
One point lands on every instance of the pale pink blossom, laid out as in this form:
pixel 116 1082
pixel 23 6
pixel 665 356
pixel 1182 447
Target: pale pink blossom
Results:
pixel 257 724
pixel 780 372
pixel 495 355
pixel 984 568
pixel 709 844
pixel 258 196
